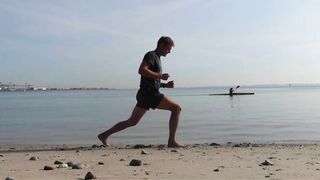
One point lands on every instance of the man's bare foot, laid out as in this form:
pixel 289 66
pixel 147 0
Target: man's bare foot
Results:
pixel 103 140
pixel 175 145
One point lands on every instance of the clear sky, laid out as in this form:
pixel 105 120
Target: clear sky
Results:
pixel 100 43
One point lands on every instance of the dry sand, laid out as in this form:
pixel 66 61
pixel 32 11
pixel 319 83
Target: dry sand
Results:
pixel 193 162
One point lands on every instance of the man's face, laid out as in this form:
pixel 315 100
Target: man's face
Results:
pixel 165 49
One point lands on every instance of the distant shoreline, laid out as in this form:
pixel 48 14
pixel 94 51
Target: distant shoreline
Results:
pixel 197 87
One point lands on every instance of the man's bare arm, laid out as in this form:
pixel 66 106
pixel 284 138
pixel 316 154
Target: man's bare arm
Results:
pixel 145 71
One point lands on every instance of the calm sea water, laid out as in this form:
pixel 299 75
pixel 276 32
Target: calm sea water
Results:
pixel 272 115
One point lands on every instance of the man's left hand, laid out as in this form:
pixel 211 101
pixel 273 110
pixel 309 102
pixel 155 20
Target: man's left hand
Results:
pixel 170 84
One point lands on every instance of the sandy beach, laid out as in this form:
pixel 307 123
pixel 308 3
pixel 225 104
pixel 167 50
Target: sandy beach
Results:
pixel 198 161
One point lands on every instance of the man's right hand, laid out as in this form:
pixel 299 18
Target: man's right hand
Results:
pixel 165 76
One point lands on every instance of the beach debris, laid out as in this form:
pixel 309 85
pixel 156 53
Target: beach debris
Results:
pixel 266 163
pixel 70 164
pixel 77 151
pixel 1 155
pixel 147 172
pixel 95 146
pixel 161 146
pixel 141 146
pixel 64 165
pixel 89 175
pixel 214 144
pixel 48 168
pixel 135 162
pixel 216 170
pixel 174 150
pixel 58 162
pixel 34 158
pixel 122 159
pixel 80 166
pixel 144 152
pixel 272 157
pixel 101 163
pixel 12 148
pixel 242 145
pixel 9 178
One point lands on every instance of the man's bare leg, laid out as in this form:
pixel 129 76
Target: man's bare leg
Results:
pixel 175 109
pixel 135 117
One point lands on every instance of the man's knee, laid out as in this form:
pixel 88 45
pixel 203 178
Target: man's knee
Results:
pixel 176 108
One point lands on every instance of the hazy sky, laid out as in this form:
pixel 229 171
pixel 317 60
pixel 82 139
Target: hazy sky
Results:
pixel 100 43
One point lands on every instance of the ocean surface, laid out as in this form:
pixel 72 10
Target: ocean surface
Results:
pixel 272 115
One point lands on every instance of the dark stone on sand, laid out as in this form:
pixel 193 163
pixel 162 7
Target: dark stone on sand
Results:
pixel 95 146
pixel 9 178
pixel 161 146
pixel 70 164
pixel 101 163
pixel 266 163
pixel 216 170
pixel 135 162
pixel 174 150
pixel 214 144
pixel 272 157
pixel 47 168
pixel 89 175
pixel 122 159
pixel 58 162
pixel 34 158
pixel 1 155
pixel 242 145
pixel 141 146
pixel 78 166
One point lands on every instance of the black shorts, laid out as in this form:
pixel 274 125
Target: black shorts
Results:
pixel 148 99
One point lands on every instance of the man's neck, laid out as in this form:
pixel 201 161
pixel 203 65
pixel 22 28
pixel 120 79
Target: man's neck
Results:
pixel 157 53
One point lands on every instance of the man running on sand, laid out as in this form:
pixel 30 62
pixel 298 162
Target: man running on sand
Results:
pixel 149 96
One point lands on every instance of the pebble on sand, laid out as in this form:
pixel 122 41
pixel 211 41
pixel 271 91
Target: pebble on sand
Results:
pixel 79 166
pixel 141 146
pixel 101 163
pixel 89 175
pixel 266 163
pixel 58 162
pixel 1 155
pixel 214 144
pixel 46 168
pixel 70 164
pixel 34 158
pixel 122 159
pixel 9 178
pixel 144 152
pixel 216 170
pixel 135 162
